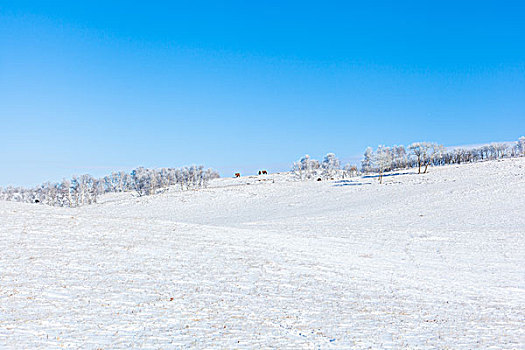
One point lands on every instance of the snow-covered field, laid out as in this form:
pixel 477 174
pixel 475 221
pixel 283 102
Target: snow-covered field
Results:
pixel 423 261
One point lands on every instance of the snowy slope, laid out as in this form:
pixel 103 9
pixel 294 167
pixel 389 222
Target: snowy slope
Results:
pixel 423 261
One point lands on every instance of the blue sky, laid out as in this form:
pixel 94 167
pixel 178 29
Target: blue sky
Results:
pixel 98 86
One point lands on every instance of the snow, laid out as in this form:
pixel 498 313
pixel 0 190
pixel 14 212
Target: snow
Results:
pixel 423 261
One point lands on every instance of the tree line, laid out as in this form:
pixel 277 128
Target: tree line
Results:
pixel 307 168
pixel 418 155
pixel 85 189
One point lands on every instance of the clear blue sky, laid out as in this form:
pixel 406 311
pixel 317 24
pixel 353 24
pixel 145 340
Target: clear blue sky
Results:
pixel 96 86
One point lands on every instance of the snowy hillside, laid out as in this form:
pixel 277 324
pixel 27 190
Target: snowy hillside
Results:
pixel 433 260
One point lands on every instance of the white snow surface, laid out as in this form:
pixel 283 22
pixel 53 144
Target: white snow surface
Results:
pixel 426 261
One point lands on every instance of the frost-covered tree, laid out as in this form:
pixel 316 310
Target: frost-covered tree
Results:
pixel 65 194
pixel 141 181
pixel 330 166
pixel 423 153
pixel 368 160
pixel 399 156
pixel 383 160
pixel 350 170
pixel 419 150
pixel 434 153
pixel 498 150
pixel 520 146
pixel 306 168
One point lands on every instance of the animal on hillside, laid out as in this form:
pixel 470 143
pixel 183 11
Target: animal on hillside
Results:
pixel 237 174
pixel 260 172
pixel 265 172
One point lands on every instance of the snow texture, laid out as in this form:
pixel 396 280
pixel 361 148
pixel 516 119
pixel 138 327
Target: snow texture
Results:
pixel 422 261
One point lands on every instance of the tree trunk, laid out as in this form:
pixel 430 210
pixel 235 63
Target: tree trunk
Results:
pixel 426 167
